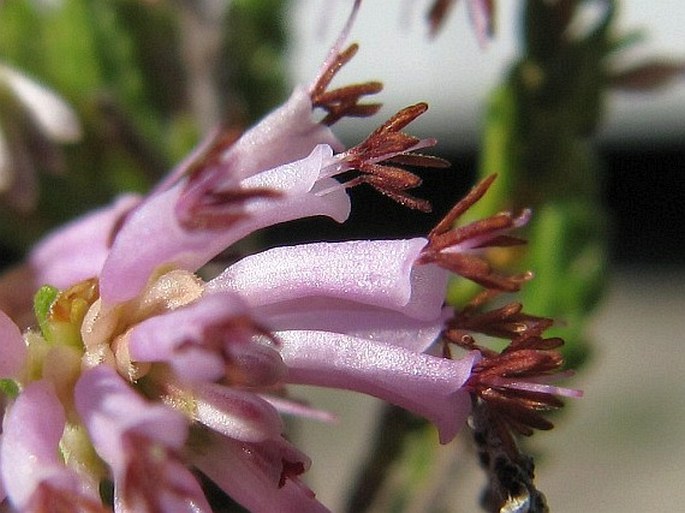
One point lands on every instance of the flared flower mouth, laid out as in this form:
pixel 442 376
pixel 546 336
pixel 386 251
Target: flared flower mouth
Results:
pixel 514 384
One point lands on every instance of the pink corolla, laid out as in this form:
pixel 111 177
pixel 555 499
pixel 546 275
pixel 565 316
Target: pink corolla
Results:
pixel 143 376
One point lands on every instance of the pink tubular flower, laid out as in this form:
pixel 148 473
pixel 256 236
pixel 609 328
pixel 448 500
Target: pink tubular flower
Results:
pixel 32 471
pixel 481 13
pixel 255 479
pixel 54 260
pixel 143 376
pixel 138 442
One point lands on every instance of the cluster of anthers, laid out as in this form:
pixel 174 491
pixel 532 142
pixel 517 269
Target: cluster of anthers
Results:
pixel 510 392
pixel 510 388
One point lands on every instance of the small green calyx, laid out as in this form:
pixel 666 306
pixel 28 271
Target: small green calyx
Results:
pixel 9 388
pixel 61 313
pixel 42 302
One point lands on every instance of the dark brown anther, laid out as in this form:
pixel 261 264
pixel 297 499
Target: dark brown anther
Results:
pixel 508 388
pixel 327 76
pixel 481 12
pixel 210 200
pixel 509 383
pixel 344 101
pixel 396 194
pixel 389 176
pixel 519 409
pixel 520 414
pixel 291 469
pixel 401 119
pixel 206 201
pixel 524 363
pixel 476 193
pixel 418 160
pixel 508 322
pixel 474 268
pixel 387 142
pixel 452 247
pixel 494 223
pixel 389 145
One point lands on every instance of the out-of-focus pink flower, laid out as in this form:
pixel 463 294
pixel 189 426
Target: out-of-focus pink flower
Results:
pixel 481 13
pixel 69 255
pixel 33 473
pixel 36 119
pixel 54 260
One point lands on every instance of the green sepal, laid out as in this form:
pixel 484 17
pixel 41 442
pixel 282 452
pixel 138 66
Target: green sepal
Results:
pixel 42 302
pixel 9 388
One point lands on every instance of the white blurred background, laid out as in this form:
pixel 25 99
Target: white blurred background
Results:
pixel 454 73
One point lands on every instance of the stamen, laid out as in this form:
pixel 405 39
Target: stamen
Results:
pixel 387 138
pixel 475 194
pixel 344 33
pixel 216 210
pixel 211 156
pixel 497 380
pixel 507 322
pixel 481 13
pixel 449 246
pixel 290 470
pixel 344 101
pixel 387 144
pixel 511 384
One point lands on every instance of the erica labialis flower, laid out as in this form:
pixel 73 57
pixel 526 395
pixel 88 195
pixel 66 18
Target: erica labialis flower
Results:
pixel 481 13
pixel 140 376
